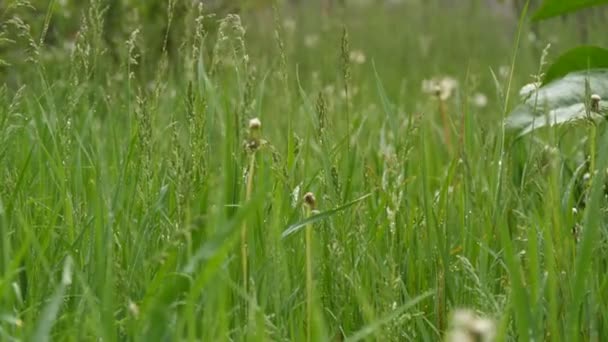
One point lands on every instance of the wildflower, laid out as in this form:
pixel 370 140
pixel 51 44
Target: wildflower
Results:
pixel 480 100
pixel 441 87
pixel 311 40
pixel 357 57
pixel 466 326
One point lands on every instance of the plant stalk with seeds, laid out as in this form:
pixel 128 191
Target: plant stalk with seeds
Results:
pixel 252 146
pixel 309 203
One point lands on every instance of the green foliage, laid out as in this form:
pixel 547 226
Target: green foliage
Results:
pixel 563 100
pixel 577 59
pixel 553 8
pixel 294 228
pixel 566 87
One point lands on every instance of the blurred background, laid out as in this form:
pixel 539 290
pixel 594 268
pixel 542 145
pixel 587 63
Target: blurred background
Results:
pixel 396 35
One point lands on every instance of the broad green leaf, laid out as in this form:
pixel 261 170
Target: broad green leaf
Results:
pixel 320 216
pixel 561 101
pixel 577 59
pixel 554 8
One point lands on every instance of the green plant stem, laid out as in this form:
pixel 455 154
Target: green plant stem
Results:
pixel 308 278
pixel 592 147
pixel 249 191
pixel 446 125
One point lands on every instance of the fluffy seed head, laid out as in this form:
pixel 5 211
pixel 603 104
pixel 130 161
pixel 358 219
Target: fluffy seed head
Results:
pixel 254 140
pixel 466 326
pixel 310 200
pixel 255 124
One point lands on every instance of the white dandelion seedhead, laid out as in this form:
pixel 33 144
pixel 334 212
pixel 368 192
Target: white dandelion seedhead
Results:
pixel 442 87
pixel 466 326
pixel 254 141
pixel 255 124
pixel 480 100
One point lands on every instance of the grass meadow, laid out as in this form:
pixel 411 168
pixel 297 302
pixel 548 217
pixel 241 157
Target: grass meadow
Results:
pixel 290 174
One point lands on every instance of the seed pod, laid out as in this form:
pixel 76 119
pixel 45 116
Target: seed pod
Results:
pixel 310 200
pixel 595 102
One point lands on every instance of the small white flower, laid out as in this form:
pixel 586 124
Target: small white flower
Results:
pixel 480 100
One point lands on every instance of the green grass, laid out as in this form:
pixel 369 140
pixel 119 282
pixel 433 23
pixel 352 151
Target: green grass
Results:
pixel 124 193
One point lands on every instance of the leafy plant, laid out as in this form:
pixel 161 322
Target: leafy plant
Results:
pixel 553 8
pixel 565 88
